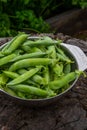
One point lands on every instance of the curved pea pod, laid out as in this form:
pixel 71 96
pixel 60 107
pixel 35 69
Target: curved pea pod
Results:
pixel 11 74
pixel 23 77
pixel 46 41
pixel 31 55
pixel 15 43
pixel 56 84
pixel 65 59
pixel 10 91
pixel 29 90
pixel 14 75
pixel 8 44
pixel 7 59
pixel 30 62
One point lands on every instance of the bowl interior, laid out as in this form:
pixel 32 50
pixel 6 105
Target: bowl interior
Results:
pixel 74 66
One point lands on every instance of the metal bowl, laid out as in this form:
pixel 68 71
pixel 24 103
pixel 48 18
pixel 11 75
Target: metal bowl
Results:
pixel 76 54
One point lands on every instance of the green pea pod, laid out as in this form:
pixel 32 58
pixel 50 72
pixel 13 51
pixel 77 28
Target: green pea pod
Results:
pixel 65 59
pixel 10 91
pixel 21 95
pixel 46 41
pixel 38 79
pixel 58 69
pixel 60 51
pixel 35 49
pixel 46 75
pixel 10 74
pixel 8 44
pixel 67 68
pixel 22 71
pixel 16 43
pixel 31 55
pixel 52 51
pixel 29 89
pixel 1 55
pixel 26 48
pixel 30 62
pixel 3 79
pixel 14 75
pixel 7 59
pixel 18 52
pixel 56 84
pixel 24 76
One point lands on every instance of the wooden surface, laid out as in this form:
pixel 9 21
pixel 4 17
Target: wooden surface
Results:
pixel 69 22
pixel 69 113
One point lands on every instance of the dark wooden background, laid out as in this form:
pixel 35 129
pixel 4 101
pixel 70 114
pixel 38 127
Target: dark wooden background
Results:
pixel 69 113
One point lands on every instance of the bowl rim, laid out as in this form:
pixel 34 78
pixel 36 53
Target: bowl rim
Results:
pixel 50 98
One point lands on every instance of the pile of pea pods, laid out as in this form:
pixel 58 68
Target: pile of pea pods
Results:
pixel 35 68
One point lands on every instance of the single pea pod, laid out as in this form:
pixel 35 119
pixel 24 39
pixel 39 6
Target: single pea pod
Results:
pixel 31 55
pixel 64 59
pixel 30 62
pixel 14 75
pixel 46 41
pixel 7 59
pixel 29 89
pixel 57 84
pixel 23 77
pixel 15 43
pixel 8 44
pixel 10 74
pixel 10 91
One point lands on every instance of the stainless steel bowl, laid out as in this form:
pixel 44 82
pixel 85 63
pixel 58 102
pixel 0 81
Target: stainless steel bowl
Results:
pixel 74 53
